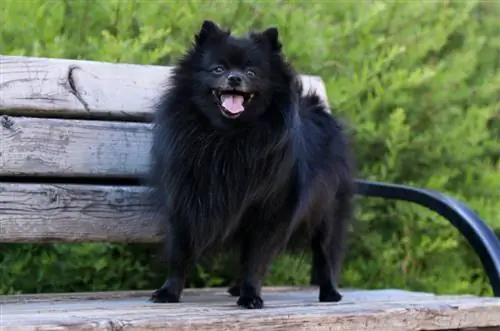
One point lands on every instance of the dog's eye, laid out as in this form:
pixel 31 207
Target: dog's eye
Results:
pixel 218 69
pixel 250 73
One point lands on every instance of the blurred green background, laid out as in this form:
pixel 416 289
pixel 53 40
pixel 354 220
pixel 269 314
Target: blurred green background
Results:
pixel 419 81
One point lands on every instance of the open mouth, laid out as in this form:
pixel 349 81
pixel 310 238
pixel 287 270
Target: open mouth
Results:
pixel 232 102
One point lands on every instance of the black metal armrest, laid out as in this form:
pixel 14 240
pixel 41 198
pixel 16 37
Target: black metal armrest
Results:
pixel 482 239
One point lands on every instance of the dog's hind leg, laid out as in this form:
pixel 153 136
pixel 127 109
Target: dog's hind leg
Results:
pixel 234 290
pixel 328 247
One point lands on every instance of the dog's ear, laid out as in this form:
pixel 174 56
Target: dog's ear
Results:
pixel 270 36
pixel 208 30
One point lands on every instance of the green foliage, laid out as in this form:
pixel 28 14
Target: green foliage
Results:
pixel 418 80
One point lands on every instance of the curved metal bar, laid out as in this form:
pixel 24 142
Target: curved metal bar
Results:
pixel 482 239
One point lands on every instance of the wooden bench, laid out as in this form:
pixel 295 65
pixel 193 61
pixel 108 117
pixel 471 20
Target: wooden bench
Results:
pixel 74 139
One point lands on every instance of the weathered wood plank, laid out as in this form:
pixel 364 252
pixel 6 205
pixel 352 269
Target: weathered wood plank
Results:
pixel 58 147
pixel 74 213
pixel 208 292
pixel 290 310
pixel 83 89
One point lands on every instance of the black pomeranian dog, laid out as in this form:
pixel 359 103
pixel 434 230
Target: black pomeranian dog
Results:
pixel 243 159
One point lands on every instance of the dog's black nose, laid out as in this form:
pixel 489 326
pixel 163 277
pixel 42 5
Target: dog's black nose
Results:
pixel 234 80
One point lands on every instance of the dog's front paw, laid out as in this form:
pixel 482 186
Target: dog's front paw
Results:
pixel 329 295
pixel 164 295
pixel 251 302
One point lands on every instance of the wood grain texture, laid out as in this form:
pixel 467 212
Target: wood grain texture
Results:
pixel 382 310
pixel 39 213
pixel 84 89
pixel 55 147
pixel 206 292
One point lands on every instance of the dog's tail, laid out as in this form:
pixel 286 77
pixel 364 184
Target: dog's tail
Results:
pixel 310 100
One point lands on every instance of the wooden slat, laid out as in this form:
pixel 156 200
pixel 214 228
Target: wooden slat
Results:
pixel 382 310
pixel 206 292
pixel 83 89
pixel 55 147
pixel 74 213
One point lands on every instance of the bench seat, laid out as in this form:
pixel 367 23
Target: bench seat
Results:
pixel 285 308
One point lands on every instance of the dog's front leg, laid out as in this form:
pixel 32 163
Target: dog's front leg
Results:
pixel 180 259
pixel 257 251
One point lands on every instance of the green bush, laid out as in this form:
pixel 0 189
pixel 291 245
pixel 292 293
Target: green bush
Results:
pixel 418 80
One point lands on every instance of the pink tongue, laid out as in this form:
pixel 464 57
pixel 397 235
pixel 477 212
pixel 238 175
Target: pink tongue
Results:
pixel 232 103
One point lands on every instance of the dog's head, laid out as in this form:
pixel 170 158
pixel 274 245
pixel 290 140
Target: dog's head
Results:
pixel 235 78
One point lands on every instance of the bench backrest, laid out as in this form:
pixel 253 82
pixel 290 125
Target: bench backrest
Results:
pixel 74 139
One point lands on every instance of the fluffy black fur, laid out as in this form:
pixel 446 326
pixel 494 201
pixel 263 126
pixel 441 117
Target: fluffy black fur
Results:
pixel 259 181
